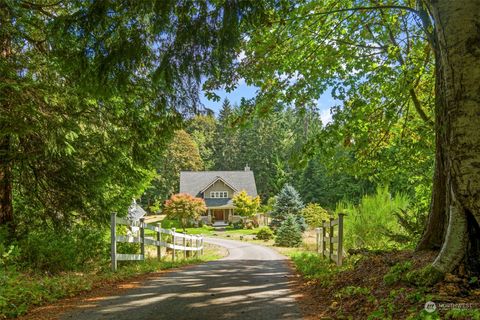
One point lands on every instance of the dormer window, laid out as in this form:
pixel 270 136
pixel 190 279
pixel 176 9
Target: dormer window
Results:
pixel 219 194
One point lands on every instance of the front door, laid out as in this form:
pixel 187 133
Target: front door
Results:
pixel 218 214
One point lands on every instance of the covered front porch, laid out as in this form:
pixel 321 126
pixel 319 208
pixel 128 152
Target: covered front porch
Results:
pixel 220 210
pixel 220 215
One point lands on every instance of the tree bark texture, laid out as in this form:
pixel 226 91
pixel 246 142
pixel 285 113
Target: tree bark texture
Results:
pixel 457 29
pixel 6 207
pixel 6 174
pixel 435 229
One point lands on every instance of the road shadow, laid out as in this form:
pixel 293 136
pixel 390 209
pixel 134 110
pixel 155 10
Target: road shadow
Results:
pixel 224 289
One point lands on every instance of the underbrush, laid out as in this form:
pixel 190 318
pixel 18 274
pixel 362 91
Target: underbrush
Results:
pixel 313 266
pixel 372 222
pixel 381 285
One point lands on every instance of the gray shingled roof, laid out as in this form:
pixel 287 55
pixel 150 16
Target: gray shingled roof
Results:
pixel 192 182
pixel 218 202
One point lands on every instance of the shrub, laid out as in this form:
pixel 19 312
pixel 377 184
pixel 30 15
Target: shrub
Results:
pixel 368 224
pixel 289 234
pixel 314 266
pixel 314 214
pixel 64 250
pixel 237 225
pixel 265 233
pixel 168 224
pixel 249 225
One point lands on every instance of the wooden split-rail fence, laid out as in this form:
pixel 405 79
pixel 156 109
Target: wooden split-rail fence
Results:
pixel 330 239
pixel 164 238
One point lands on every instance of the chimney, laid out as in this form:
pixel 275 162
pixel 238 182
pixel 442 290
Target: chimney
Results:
pixel 247 168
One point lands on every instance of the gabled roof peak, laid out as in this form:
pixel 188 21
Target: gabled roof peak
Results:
pixel 215 180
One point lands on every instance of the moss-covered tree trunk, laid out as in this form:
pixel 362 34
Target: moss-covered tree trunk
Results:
pixel 457 35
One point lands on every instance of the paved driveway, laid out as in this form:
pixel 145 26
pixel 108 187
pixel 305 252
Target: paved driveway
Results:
pixel 251 283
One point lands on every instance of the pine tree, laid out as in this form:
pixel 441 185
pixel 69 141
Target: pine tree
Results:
pixel 289 234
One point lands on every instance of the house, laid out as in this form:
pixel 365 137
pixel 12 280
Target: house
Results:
pixel 217 188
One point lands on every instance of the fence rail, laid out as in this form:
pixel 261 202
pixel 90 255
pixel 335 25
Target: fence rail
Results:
pixel 190 243
pixel 329 241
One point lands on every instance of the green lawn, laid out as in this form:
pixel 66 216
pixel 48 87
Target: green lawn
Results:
pixel 210 231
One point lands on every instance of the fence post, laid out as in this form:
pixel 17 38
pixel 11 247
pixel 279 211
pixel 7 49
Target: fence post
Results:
pixel 196 246
pixel 330 237
pixel 142 238
pixel 317 242
pixel 322 238
pixel 201 245
pixel 340 239
pixel 159 239
pixel 113 236
pixel 173 243
pixel 184 245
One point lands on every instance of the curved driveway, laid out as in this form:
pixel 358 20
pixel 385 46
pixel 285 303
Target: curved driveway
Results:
pixel 250 283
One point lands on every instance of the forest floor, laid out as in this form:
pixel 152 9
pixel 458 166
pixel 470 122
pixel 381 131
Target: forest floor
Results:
pixel 377 286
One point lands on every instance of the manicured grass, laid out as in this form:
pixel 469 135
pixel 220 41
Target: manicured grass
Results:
pixel 210 231
pixel 20 291
pixel 232 231
pixel 205 230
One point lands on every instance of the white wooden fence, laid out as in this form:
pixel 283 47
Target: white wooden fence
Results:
pixel 189 243
pixel 328 244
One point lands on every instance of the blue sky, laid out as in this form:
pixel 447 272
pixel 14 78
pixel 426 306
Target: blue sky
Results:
pixel 244 91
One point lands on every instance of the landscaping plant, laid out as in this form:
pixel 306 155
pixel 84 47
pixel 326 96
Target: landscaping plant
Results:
pixel 289 233
pixel 265 233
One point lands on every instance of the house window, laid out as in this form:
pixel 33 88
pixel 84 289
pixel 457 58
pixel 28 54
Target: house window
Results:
pixel 219 194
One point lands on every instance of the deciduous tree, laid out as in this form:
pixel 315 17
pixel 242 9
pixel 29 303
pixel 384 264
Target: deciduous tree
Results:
pixel 314 214
pixel 184 207
pixel 384 62
pixel 245 205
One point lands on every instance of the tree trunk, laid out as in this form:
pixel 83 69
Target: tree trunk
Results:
pixel 436 227
pixel 6 207
pixel 457 27
pixel 6 181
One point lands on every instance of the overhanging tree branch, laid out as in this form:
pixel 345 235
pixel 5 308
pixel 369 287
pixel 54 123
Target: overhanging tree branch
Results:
pixel 389 7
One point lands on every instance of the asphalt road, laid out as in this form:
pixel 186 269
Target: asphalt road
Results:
pixel 252 282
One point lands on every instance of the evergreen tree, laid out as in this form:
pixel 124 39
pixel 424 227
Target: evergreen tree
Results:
pixel 202 129
pixel 226 141
pixel 289 233
pixel 288 202
pixel 92 92
pixel 225 112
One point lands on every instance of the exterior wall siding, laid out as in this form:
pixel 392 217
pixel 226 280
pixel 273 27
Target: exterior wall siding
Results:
pixel 219 186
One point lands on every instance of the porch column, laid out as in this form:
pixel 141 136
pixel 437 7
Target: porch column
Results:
pixel 209 216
